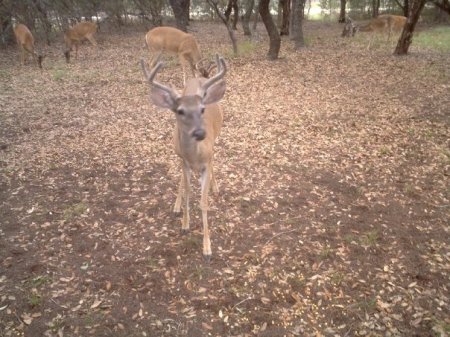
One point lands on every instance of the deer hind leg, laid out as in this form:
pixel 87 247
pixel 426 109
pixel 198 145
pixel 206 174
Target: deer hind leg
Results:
pixel 22 55
pixel 205 181
pixel 187 186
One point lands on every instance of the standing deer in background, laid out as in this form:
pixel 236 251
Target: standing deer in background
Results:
pixel 350 28
pixel 76 34
pixel 175 41
pixel 25 41
pixel 198 122
pixel 384 24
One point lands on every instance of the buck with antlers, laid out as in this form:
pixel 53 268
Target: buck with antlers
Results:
pixel 78 33
pixel 385 23
pixel 175 41
pixel 25 41
pixel 198 122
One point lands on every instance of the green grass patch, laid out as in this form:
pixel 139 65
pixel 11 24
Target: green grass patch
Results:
pixel 59 74
pixel 369 239
pixel 437 38
pixel 246 48
pixel 74 211
pixel 39 281
pixel 34 300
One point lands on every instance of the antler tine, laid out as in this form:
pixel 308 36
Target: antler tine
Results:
pixel 150 77
pixel 221 70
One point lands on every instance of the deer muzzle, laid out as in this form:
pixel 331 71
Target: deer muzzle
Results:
pixel 199 134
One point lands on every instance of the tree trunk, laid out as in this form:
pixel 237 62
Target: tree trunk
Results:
pixel 275 40
pixel 247 16
pixel 298 7
pixel 375 8
pixel 256 17
pixel 443 5
pixel 286 13
pixel 232 6
pixel 406 38
pixel 213 4
pixel 181 12
pixel 342 12
pixel 406 8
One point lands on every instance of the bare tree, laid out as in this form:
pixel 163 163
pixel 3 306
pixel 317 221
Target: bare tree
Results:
pixel 275 40
pixel 443 5
pixel 214 5
pixel 298 7
pixel 284 13
pixel 181 12
pixel 232 6
pixel 406 38
pixel 246 17
pixel 342 11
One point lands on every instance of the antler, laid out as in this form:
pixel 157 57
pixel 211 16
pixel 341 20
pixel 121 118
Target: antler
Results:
pixel 150 78
pixel 221 70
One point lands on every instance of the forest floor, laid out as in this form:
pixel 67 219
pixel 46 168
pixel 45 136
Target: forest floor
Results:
pixel 332 218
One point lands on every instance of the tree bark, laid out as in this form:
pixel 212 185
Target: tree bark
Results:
pixel 443 5
pixel 298 8
pixel 342 12
pixel 256 17
pixel 232 6
pixel 375 8
pixel 285 7
pixel 406 38
pixel 181 12
pixel 214 5
pixel 275 40
pixel 247 16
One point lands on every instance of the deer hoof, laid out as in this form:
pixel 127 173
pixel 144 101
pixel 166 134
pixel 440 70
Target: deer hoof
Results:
pixel 184 231
pixel 207 258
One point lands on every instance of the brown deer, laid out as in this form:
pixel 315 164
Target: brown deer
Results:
pixel 175 41
pixel 198 122
pixel 385 23
pixel 25 41
pixel 78 33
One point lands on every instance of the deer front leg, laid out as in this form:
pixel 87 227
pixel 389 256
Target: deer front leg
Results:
pixel 187 187
pixel 205 181
pixel 177 207
pixel 214 186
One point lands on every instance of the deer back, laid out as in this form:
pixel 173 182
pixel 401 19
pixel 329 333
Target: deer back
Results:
pixel 80 31
pixel 173 40
pixel 24 37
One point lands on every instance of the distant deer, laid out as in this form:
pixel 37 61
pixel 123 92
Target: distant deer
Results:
pixel 25 41
pixel 78 33
pixel 350 28
pixel 198 122
pixel 175 41
pixel 384 24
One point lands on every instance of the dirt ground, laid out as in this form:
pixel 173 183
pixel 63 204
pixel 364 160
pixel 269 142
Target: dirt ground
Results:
pixel 333 213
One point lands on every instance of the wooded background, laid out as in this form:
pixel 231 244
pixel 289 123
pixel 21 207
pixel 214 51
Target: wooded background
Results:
pixel 47 18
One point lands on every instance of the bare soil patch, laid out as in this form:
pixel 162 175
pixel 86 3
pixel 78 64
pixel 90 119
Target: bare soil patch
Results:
pixel 332 217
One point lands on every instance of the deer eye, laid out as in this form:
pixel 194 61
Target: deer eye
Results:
pixel 202 111
pixel 180 112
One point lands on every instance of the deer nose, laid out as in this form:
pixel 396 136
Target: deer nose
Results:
pixel 199 134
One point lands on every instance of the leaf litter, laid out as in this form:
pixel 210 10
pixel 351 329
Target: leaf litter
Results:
pixel 332 217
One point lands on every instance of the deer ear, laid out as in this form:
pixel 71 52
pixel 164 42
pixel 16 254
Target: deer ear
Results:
pixel 162 98
pixel 214 93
